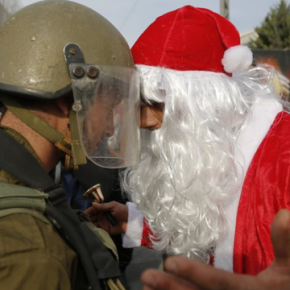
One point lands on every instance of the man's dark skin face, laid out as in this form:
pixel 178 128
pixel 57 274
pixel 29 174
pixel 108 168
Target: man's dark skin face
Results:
pixel 152 116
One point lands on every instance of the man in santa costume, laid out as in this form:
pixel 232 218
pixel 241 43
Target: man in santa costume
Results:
pixel 215 166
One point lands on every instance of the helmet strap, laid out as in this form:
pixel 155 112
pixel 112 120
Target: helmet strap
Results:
pixel 79 156
pixel 62 142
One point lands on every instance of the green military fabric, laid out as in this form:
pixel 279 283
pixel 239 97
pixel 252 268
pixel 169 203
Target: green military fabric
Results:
pixel 105 239
pixel 34 259
pixel 5 176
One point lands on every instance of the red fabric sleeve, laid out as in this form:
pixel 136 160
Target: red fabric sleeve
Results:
pixel 266 190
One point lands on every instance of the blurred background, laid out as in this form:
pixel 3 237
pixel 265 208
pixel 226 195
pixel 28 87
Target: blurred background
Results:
pixel 131 17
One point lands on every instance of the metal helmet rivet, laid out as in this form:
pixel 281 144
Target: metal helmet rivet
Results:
pixel 78 72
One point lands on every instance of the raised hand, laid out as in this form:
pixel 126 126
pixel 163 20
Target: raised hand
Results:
pixel 118 210
pixel 185 274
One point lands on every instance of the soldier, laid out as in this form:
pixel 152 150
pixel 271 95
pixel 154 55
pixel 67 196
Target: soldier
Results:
pixel 68 92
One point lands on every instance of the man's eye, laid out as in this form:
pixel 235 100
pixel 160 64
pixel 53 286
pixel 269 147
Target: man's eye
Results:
pixel 158 106
pixel 143 102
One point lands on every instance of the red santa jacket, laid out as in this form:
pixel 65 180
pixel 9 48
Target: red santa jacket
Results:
pixel 266 190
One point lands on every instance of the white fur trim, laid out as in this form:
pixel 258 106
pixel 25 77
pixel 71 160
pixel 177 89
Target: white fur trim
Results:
pixel 264 114
pixel 237 59
pixel 132 237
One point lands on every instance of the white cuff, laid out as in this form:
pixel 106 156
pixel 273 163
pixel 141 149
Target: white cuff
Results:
pixel 132 237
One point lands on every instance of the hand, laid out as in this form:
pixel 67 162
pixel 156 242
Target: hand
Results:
pixel 185 274
pixel 118 210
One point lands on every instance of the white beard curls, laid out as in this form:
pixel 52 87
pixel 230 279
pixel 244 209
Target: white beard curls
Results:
pixel 188 169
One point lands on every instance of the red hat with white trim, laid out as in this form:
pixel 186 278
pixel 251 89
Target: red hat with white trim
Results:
pixel 192 39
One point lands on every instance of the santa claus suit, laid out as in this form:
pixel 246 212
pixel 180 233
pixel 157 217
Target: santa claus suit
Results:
pixel 263 147
pixel 265 152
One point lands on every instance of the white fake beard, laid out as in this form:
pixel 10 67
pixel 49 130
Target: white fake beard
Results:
pixel 188 169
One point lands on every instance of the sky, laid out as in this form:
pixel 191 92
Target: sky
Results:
pixel 132 17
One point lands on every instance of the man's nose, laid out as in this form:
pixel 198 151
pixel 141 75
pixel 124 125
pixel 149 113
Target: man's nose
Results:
pixel 151 118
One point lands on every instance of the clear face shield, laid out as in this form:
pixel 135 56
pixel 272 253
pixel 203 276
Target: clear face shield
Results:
pixel 106 102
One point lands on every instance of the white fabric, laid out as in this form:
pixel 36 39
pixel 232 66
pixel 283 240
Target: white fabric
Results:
pixel 132 237
pixel 264 113
pixel 237 59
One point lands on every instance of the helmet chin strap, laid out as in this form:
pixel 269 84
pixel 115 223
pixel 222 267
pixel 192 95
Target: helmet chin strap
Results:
pixel 79 156
pixel 74 154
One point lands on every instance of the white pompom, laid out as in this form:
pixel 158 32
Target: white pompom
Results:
pixel 237 59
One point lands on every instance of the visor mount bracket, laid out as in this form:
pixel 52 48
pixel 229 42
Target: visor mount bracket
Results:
pixel 73 55
pixel 93 72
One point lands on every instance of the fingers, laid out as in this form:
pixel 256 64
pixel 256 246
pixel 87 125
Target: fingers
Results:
pixel 95 215
pixel 96 219
pixel 158 280
pixel 108 206
pixel 207 277
pixel 90 211
pixel 280 234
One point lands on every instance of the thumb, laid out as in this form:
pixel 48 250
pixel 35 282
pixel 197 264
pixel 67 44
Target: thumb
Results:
pixel 280 234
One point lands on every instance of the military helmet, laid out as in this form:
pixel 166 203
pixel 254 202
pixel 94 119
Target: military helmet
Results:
pixel 53 49
pixel 32 41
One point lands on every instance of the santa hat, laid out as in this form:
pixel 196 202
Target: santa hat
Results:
pixel 192 39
